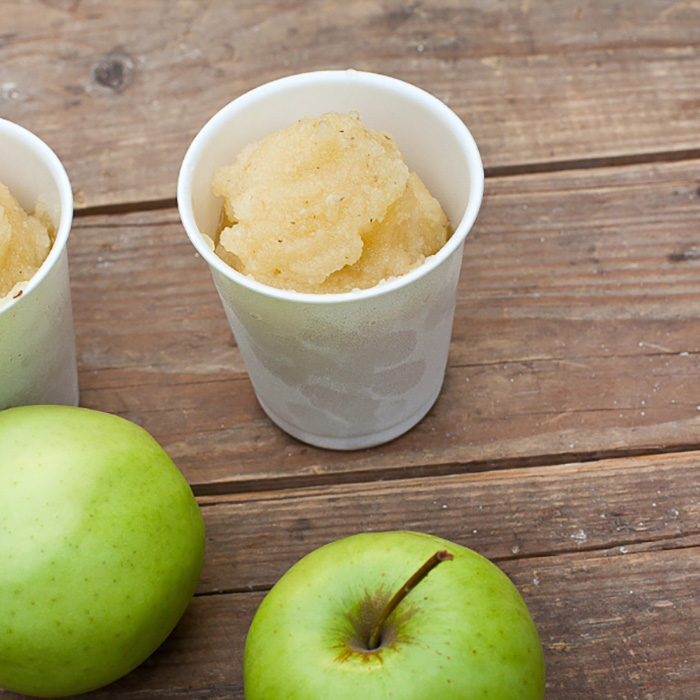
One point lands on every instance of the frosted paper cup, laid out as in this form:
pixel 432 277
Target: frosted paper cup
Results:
pixel 357 369
pixel 37 340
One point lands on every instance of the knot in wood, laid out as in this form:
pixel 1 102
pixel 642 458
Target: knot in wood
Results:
pixel 113 71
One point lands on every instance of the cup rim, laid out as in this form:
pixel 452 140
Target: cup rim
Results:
pixel 65 194
pixel 476 190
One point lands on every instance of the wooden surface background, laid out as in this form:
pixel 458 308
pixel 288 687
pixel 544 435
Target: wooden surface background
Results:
pixel 566 442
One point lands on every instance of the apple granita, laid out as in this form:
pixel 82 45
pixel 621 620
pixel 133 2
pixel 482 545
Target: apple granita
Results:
pixel 325 205
pixel 25 241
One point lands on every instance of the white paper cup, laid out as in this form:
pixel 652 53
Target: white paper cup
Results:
pixel 37 340
pixel 351 370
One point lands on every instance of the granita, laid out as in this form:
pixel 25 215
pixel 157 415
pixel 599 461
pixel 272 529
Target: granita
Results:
pixel 25 241
pixel 325 205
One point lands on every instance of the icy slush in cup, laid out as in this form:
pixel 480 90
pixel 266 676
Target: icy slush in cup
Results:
pixel 353 369
pixel 37 341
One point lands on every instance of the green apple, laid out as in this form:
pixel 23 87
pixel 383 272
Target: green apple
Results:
pixel 101 547
pixel 400 615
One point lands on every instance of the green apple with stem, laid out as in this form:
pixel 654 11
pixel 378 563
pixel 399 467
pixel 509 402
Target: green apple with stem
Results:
pixel 101 547
pixel 400 615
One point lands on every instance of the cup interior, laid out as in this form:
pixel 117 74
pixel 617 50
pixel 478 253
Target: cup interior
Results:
pixel 434 142
pixel 33 172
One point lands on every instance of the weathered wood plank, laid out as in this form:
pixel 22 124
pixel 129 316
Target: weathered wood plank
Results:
pixel 611 627
pixel 119 90
pixel 605 555
pixel 610 507
pixel 577 333
pixel 551 410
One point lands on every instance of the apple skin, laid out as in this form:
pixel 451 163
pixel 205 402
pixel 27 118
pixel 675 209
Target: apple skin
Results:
pixel 463 632
pixel 101 547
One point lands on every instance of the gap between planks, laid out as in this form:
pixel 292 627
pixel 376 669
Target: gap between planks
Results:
pixel 517 169
pixel 423 471
pixel 653 507
pixel 624 548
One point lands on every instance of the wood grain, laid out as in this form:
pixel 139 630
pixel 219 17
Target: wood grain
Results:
pixel 605 556
pixel 565 445
pixel 633 611
pixel 538 83
pixel 610 507
pixel 576 336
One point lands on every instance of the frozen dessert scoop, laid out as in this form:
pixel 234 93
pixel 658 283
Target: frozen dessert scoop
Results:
pixel 326 205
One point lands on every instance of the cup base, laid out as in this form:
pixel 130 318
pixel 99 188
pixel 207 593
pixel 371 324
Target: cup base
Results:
pixel 352 442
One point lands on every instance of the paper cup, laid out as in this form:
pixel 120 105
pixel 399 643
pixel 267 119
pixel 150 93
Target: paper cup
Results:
pixel 37 340
pixel 351 370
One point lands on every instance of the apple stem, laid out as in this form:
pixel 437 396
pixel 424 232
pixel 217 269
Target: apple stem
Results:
pixel 411 583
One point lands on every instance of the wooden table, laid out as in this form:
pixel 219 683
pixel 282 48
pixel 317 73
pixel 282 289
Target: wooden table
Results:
pixel 564 445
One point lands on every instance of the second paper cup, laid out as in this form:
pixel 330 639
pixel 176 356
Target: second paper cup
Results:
pixel 350 370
